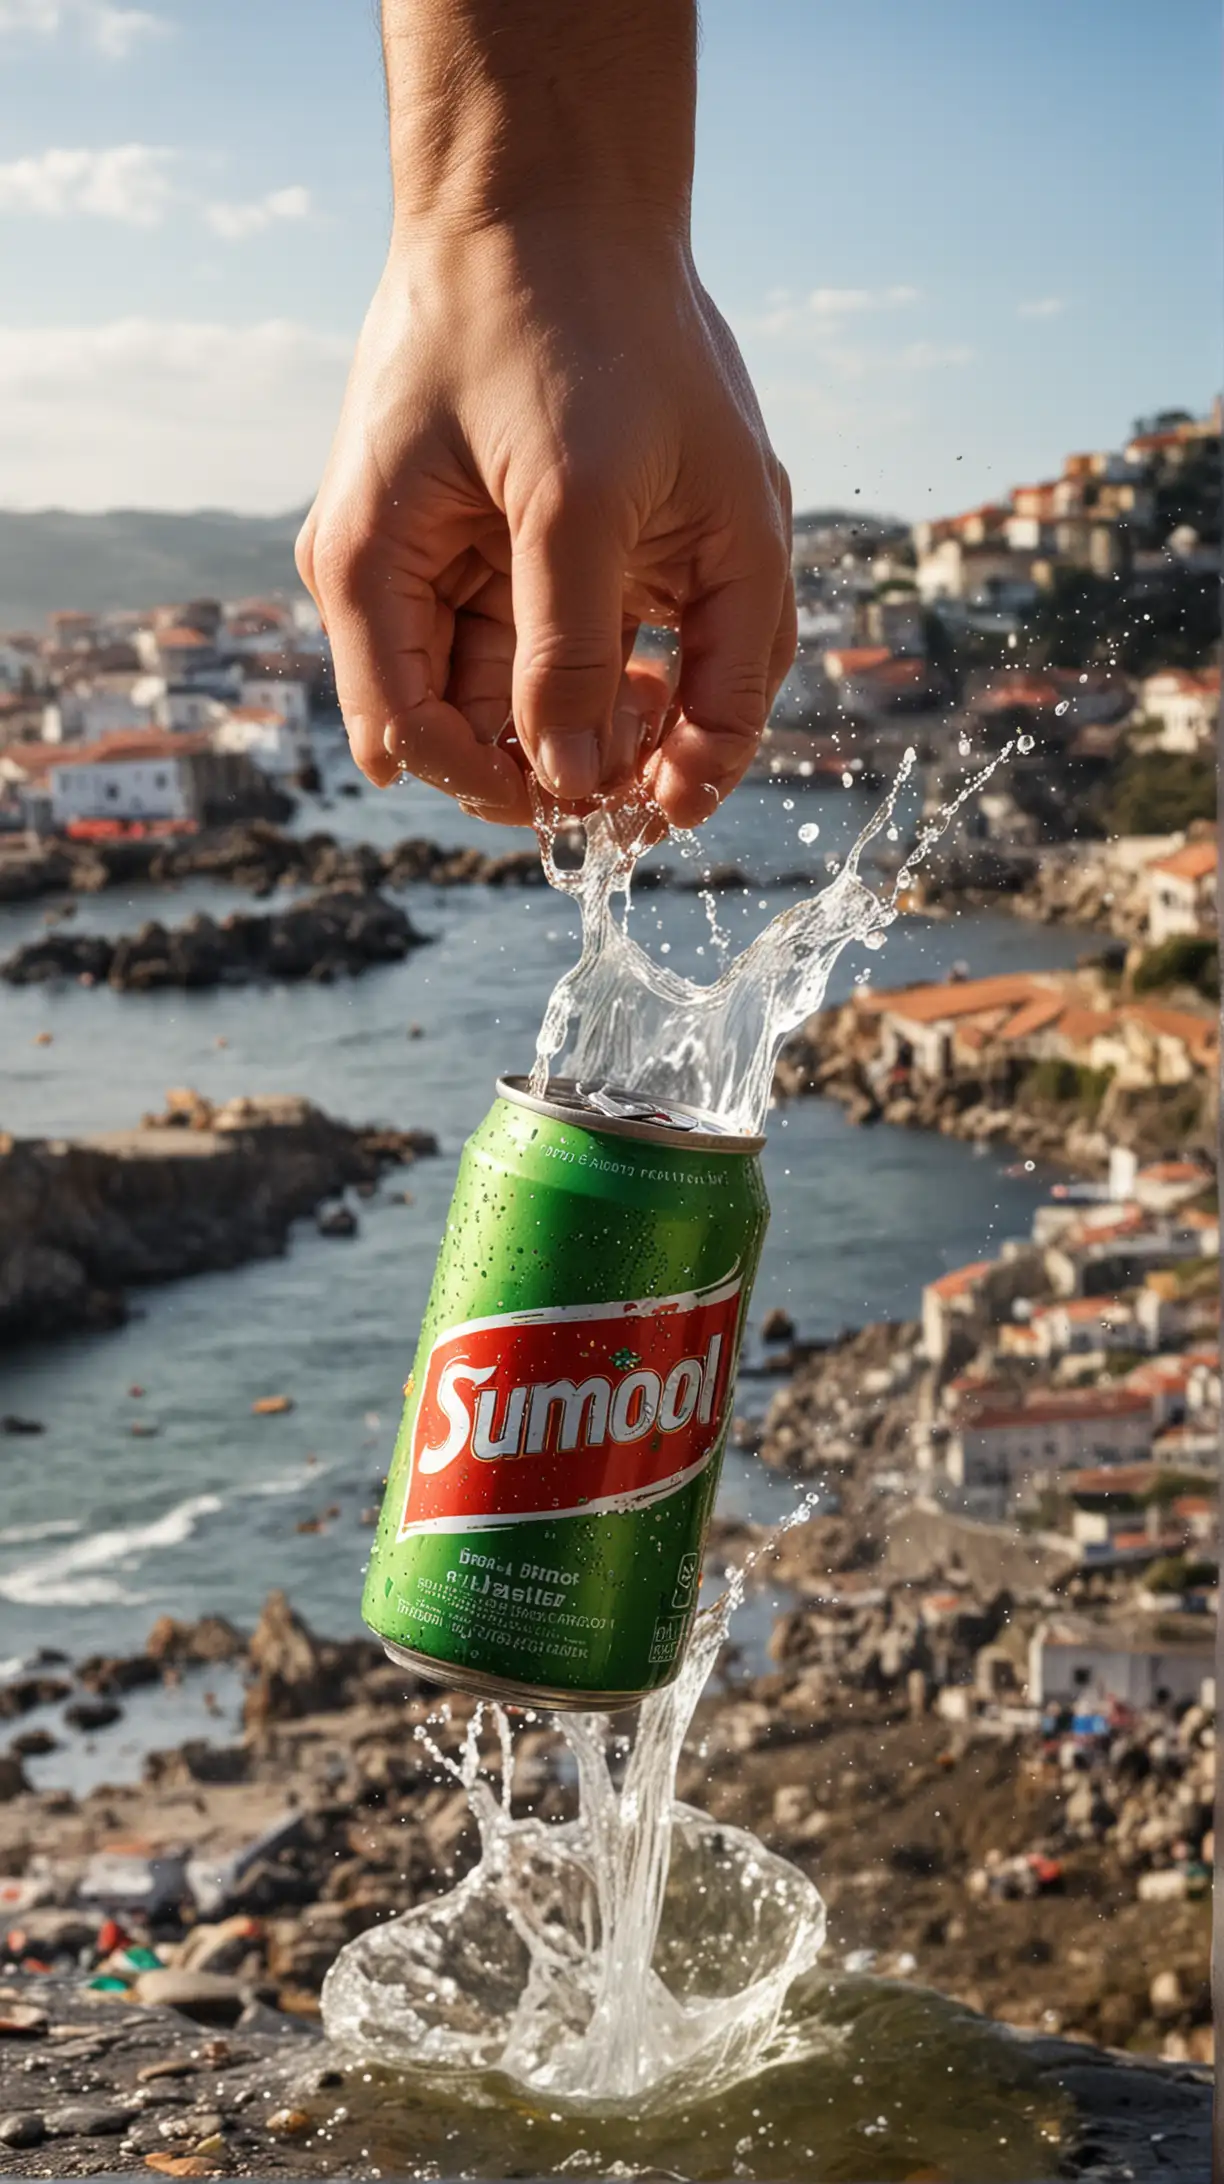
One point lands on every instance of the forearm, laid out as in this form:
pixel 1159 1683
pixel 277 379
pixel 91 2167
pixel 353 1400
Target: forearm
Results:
pixel 581 111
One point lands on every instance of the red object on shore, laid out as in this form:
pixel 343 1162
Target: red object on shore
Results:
pixel 110 1936
pixel 127 830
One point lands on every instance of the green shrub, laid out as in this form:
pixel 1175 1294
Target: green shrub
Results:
pixel 1161 792
pixel 1188 959
pixel 1167 1574
pixel 1057 1082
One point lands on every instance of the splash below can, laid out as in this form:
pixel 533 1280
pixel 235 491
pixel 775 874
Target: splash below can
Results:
pixel 542 1534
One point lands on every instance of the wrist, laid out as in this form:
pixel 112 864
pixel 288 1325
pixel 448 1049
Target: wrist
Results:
pixel 583 116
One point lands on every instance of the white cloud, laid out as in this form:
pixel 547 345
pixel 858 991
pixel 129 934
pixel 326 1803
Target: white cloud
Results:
pixel 236 221
pixel 110 30
pixel 822 307
pixel 169 414
pixel 929 356
pixel 1042 307
pixel 126 182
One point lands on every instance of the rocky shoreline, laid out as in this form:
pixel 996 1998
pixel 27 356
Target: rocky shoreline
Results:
pixel 262 857
pixel 342 931
pixel 998 1102
pixel 197 1188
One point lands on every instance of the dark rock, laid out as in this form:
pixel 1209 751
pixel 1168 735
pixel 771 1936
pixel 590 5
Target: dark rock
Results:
pixel 296 1673
pixel 87 2119
pixel 199 1187
pixel 344 929
pixel 10 1423
pixel 34 1744
pixel 104 1674
pixel 27 1692
pixel 777 1326
pixel 91 1714
pixel 212 1638
pixel 24 2128
pixel 13 1782
pixel 336 1221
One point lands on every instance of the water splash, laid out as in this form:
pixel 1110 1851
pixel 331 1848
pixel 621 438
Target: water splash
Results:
pixel 620 1017
pixel 638 1952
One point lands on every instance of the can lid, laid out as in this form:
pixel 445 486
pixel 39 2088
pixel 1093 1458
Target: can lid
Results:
pixel 622 1112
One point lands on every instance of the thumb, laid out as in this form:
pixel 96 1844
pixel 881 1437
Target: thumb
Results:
pixel 567 584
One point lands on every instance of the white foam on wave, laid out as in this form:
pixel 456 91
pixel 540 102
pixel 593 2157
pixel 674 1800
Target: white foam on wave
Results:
pixel 75 1577
pixel 284 1482
pixel 24 1535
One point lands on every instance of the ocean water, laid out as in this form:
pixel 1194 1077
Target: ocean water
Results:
pixel 101 1531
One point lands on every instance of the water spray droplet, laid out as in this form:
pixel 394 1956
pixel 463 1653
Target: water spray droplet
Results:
pixel 788 803
pixel 847 779
pixel 809 831
pixel 1025 743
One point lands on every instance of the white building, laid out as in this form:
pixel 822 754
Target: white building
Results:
pixel 1093 1663
pixel 1186 705
pixel 289 699
pixel 14 667
pixel 1001 1454
pixel 81 716
pixel 119 788
pixel 1182 893
pixel 269 740
pixel 1083 1326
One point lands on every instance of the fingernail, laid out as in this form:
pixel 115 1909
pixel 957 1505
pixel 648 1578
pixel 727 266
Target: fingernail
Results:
pixel 569 764
pixel 623 749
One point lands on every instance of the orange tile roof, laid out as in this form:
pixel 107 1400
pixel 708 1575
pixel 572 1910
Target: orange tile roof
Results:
pixel 956 997
pixel 1197 1033
pixel 1064 1408
pixel 1083 1308
pixel 1081 1025
pixel 1193 862
pixel 1173 1171
pixel 46 758
pixel 180 637
pixel 1041 1010
pixel 1106 1232
pixel 961 1278
pixel 1114 1479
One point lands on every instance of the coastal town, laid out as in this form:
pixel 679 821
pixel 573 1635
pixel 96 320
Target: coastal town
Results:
pixel 983 1722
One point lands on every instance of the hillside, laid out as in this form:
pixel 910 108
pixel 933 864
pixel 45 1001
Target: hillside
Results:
pixel 130 557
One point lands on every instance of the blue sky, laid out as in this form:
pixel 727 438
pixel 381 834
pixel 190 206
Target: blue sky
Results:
pixel 955 240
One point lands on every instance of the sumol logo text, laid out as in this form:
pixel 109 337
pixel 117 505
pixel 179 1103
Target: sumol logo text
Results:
pixel 570 1410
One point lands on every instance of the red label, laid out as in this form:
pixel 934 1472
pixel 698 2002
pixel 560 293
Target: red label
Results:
pixel 570 1411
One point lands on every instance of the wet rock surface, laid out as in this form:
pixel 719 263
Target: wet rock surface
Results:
pixel 196 1188
pixel 342 931
pixel 114 2089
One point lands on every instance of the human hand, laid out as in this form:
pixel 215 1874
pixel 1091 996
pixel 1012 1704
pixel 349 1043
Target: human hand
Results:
pixel 548 438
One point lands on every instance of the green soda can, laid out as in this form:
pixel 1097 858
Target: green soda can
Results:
pixel 542 1533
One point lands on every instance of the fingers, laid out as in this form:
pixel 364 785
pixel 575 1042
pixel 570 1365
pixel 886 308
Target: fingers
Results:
pixel 567 580
pixel 391 640
pixel 733 641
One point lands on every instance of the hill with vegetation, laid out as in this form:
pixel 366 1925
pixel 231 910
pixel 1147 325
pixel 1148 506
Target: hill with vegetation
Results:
pixel 131 557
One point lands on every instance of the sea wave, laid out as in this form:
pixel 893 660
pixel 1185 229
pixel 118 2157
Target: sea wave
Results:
pixel 24 1535
pixel 76 1576
pixel 283 1482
